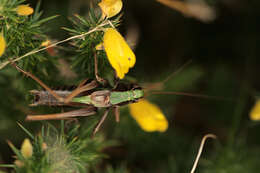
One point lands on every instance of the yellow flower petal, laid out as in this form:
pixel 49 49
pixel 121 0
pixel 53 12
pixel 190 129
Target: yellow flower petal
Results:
pixel 27 149
pixel 110 8
pixel 2 44
pixel 119 54
pixel 99 46
pixel 255 111
pixel 149 116
pixel 24 10
pixel 51 50
pixel 19 163
pixel 46 43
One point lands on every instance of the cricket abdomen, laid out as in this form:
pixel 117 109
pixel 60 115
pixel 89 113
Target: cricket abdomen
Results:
pixel 45 98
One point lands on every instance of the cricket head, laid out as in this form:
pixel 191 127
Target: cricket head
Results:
pixel 138 94
pixel 125 97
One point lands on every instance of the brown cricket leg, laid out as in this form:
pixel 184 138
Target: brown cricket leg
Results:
pixel 69 120
pixel 40 82
pixel 117 113
pixel 81 88
pixel 76 113
pixel 116 82
pixel 99 79
pixel 82 83
pixel 100 122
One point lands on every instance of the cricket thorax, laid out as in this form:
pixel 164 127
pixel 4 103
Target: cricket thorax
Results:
pixel 101 98
pixel 45 98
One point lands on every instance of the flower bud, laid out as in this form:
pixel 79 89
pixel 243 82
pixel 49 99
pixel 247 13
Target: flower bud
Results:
pixel 24 10
pixel 110 8
pixel 27 149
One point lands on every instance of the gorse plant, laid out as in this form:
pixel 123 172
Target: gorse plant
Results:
pixel 23 31
pixel 66 150
pixel 95 49
pixel 95 43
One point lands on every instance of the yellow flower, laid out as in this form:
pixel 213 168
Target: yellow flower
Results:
pixel 27 149
pixel 110 8
pixel 255 111
pixel 99 46
pixel 51 50
pixel 149 116
pixel 2 44
pixel 24 10
pixel 119 54
pixel 19 163
pixel 46 43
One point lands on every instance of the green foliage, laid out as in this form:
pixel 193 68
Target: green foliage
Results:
pixel 23 34
pixel 85 47
pixel 238 159
pixel 68 147
pixel 67 151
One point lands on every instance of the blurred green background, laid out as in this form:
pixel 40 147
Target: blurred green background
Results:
pixel 225 64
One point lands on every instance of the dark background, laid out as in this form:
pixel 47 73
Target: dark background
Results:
pixel 225 63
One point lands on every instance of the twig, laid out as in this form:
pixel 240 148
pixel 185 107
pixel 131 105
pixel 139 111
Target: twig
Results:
pixel 200 150
pixel 111 24
pixel 2 65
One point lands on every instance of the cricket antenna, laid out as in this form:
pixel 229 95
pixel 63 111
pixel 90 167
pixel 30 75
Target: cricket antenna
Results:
pixel 179 70
pixel 152 89
pixel 158 85
pixel 189 94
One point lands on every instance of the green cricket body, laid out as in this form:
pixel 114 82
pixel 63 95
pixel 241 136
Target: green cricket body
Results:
pixel 106 98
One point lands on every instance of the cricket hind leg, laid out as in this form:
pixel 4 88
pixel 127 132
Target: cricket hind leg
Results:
pixel 65 115
pixel 39 82
pixel 81 88
pixel 101 121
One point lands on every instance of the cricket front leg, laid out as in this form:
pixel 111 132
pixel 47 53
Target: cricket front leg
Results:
pixel 99 79
pixel 96 129
pixel 39 82
pixel 66 115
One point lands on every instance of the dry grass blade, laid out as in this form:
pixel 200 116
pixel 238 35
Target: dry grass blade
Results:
pixel 197 9
pixel 200 150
